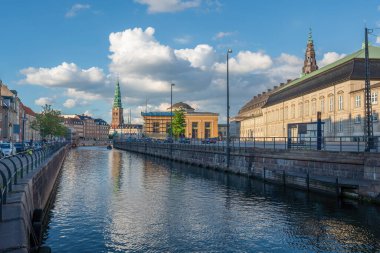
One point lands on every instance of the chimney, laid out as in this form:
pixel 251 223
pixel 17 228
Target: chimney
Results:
pixel 254 97
pixel 288 81
pixel 282 84
pixel 269 90
pixel 259 95
pixel 263 92
pixel 275 87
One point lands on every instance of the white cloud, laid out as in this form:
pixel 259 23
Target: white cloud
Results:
pixel 82 95
pixel 136 48
pixel 146 68
pixel 202 56
pixel 142 63
pixel 183 40
pixel 221 35
pixel 157 6
pixel 75 9
pixel 378 39
pixel 44 101
pixel 69 103
pixel 66 74
pixel 330 57
pixel 246 62
pixel 285 66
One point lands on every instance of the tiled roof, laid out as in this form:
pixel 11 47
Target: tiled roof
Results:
pixel 28 111
pixel 350 67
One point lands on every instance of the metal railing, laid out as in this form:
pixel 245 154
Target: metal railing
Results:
pixel 13 168
pixel 246 144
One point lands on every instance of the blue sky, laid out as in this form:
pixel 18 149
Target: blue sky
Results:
pixel 69 53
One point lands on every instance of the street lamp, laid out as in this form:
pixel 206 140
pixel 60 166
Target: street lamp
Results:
pixel 229 51
pixel 171 111
pixel 23 130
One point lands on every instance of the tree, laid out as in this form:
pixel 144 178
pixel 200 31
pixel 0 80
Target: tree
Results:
pixel 179 123
pixel 49 123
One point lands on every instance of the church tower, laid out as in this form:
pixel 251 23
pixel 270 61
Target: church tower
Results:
pixel 310 63
pixel 117 109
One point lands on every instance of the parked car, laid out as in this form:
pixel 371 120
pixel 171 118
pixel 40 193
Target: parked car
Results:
pixel 37 146
pixel 168 140
pixel 184 140
pixel 209 140
pixel 8 148
pixel 20 147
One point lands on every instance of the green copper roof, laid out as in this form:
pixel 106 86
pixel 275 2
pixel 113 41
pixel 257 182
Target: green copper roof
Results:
pixel 117 98
pixel 374 53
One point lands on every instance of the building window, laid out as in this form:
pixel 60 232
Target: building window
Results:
pixel 207 129
pixel 375 116
pixel 374 98
pixel 340 102
pixel 340 125
pixel 322 105
pixel 293 111
pixel 306 108
pixel 329 125
pixel 194 130
pixel 300 110
pixel 314 107
pixel 331 104
pixel 156 127
pixel 286 113
pixel 358 119
pixel 358 101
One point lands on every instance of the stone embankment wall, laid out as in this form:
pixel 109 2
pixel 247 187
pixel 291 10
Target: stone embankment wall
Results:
pixel 18 230
pixel 355 175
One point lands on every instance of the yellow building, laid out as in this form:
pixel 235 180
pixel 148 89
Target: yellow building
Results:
pixel 198 124
pixel 335 90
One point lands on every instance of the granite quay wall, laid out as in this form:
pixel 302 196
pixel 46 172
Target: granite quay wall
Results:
pixel 27 181
pixel 349 174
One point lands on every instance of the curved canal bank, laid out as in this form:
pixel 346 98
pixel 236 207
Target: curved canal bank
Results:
pixel 117 201
pixel 27 197
pixel 354 175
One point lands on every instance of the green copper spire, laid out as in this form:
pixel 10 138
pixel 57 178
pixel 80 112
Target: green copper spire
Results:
pixel 310 39
pixel 117 98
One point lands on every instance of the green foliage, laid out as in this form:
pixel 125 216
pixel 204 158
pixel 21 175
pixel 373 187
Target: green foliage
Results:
pixel 49 123
pixel 179 123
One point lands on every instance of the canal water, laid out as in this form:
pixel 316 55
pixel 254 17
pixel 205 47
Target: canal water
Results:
pixel 115 201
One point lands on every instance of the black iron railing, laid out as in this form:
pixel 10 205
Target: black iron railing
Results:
pixel 246 144
pixel 13 168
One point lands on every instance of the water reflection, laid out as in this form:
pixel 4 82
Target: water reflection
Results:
pixel 146 204
pixel 115 165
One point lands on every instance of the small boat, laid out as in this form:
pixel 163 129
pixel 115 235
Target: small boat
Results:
pixel 109 147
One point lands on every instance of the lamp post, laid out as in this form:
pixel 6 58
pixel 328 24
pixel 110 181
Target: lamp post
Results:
pixel 23 130
pixel 171 111
pixel 229 51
